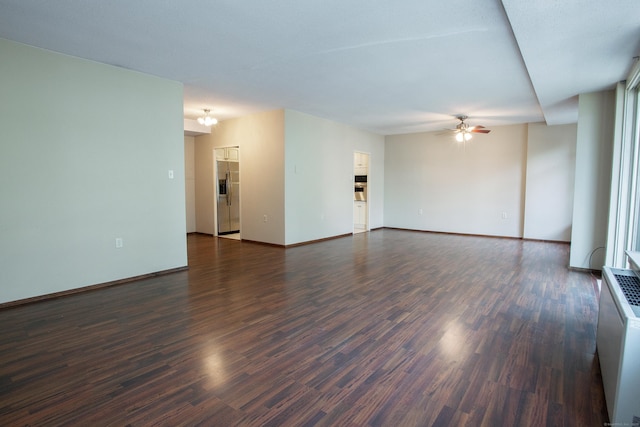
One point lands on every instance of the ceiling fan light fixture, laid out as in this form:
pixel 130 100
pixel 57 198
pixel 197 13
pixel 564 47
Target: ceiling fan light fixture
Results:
pixel 207 120
pixel 463 136
pixel 464 132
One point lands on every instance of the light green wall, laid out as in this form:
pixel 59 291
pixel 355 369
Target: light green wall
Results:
pixel 319 177
pixel 85 150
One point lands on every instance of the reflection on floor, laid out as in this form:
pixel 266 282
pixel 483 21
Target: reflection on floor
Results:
pixel 234 236
pixel 357 230
pixel 396 328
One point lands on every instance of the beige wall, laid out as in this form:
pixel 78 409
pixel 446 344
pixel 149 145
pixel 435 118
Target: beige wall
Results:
pixel 516 181
pixel 261 140
pixel 525 172
pixel 78 170
pixel 551 159
pixel 594 151
pixel 204 184
pixel 190 182
pixel 295 169
pixel 434 183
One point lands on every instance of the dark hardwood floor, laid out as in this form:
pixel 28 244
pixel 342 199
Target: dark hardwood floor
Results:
pixel 389 328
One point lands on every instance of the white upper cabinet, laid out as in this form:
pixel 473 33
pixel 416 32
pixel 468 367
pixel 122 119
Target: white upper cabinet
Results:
pixel 360 164
pixel 228 153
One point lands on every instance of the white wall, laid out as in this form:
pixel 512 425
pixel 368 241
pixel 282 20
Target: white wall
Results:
pixel 319 177
pixel 80 167
pixel 190 182
pixel 551 156
pixel 592 179
pixel 458 188
pixel 261 140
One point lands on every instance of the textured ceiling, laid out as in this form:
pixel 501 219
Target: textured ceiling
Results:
pixel 388 67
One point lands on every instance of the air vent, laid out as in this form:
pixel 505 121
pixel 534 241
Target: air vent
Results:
pixel 630 286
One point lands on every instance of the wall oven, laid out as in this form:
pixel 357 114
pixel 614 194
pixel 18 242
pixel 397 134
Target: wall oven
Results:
pixel 360 188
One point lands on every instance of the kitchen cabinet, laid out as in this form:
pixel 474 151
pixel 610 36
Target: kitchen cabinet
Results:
pixel 230 154
pixel 360 164
pixel 360 215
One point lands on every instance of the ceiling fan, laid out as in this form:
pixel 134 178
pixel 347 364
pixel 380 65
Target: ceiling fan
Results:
pixel 464 132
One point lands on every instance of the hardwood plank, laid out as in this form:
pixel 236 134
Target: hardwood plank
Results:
pixel 383 328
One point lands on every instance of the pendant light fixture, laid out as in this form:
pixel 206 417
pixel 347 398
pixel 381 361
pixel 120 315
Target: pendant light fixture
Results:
pixel 207 120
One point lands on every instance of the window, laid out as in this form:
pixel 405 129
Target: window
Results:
pixel 624 208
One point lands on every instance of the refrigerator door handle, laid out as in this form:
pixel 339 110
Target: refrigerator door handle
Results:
pixel 227 177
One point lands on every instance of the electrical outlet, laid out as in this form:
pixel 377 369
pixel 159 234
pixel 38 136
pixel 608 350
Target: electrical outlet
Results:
pixel 119 242
pixel 264 218
pixel 170 174
pixel 504 215
pixel 420 211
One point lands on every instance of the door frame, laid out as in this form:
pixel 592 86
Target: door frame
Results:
pixel 367 226
pixel 215 187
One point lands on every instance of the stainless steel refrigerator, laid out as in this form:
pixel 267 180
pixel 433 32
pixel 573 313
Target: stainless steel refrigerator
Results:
pixel 228 197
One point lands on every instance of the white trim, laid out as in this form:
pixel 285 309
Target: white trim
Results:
pixel 624 205
pixel 633 80
pixel 631 133
pixel 634 133
pixel 615 227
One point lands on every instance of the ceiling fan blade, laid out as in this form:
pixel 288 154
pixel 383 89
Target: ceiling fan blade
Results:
pixel 480 130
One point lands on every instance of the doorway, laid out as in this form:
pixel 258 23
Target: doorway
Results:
pixel 227 187
pixel 361 194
